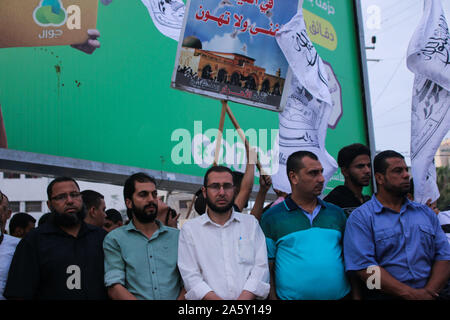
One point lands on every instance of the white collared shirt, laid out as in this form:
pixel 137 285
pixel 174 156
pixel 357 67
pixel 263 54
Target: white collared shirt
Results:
pixel 7 249
pixel 225 259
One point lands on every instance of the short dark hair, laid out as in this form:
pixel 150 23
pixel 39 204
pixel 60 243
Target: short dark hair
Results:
pixel 200 202
pixel 348 153
pixel 91 198
pixel 295 163
pixel 58 180
pixel 216 169
pixel 20 220
pixel 113 215
pixel 44 218
pixel 237 180
pixel 379 163
pixel 129 187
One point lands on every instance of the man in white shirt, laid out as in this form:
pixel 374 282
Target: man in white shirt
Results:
pixel 222 254
pixel 7 245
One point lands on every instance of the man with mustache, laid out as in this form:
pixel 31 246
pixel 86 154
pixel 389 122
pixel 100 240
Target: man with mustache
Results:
pixel 141 257
pixel 63 258
pixel 222 254
pixel 355 164
pixel 393 244
pixel 304 237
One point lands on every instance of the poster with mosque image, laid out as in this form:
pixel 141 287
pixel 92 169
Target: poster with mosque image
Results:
pixel 32 23
pixel 227 50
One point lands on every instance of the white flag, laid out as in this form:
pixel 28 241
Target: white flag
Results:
pixel 429 59
pixel 304 120
pixel 167 15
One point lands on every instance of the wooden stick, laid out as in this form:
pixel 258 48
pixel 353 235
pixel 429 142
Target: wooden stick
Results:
pixel 190 206
pixel 220 132
pixel 244 139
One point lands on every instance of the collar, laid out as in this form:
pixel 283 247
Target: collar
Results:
pixel 291 205
pixel 378 206
pixel 161 227
pixel 204 218
pixel 52 228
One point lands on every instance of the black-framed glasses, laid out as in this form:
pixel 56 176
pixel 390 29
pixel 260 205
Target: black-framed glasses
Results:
pixel 216 187
pixel 65 196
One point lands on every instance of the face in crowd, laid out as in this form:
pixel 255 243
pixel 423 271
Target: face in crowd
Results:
pixel 395 179
pixel 219 192
pixel 66 203
pixel 144 202
pixel 100 213
pixel 111 225
pixel 5 212
pixel 308 180
pixel 359 171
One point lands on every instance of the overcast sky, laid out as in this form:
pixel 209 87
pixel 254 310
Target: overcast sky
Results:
pixel 389 79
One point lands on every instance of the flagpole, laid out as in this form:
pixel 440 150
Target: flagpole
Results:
pixel 220 132
pixel 243 138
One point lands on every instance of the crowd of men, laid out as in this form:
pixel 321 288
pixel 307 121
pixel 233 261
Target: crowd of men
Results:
pixel 299 247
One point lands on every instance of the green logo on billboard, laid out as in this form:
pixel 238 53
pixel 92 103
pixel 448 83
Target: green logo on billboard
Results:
pixel 50 13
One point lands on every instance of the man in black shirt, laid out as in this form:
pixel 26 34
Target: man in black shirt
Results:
pixel 355 164
pixel 63 258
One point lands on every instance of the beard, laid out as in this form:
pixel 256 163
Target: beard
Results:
pixel 217 209
pixel 399 191
pixel 142 216
pixel 69 219
pixel 358 182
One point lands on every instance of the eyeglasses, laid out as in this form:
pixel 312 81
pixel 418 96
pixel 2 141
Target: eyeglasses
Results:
pixel 227 187
pixel 65 196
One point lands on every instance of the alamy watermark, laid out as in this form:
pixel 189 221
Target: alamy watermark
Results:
pixel 199 148
pixel 374 280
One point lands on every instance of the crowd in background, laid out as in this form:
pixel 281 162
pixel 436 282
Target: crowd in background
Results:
pixel 348 245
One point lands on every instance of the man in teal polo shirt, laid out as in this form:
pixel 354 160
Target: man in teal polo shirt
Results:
pixel 304 237
pixel 141 257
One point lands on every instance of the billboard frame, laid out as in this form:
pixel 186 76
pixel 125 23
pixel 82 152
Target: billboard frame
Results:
pixel 93 171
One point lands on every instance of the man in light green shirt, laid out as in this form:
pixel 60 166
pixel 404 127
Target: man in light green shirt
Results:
pixel 141 257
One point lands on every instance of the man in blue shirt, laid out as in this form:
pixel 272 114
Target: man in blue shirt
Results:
pixel 397 246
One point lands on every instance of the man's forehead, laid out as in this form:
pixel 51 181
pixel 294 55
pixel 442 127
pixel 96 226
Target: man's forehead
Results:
pixel 395 162
pixel 64 186
pixel 362 158
pixel 311 164
pixel 215 177
pixel 144 186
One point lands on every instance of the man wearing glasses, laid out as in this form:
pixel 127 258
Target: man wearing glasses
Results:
pixel 222 254
pixel 63 258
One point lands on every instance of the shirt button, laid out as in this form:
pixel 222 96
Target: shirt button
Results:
pixel 151 256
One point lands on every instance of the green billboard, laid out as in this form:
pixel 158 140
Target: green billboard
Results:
pixel 116 105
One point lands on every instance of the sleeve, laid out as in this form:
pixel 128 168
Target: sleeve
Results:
pixel 23 276
pixel 442 246
pixel 196 287
pixel 114 263
pixel 258 282
pixel 270 241
pixel 359 248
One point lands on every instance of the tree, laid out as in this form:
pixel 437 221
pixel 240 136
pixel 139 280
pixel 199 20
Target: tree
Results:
pixel 443 182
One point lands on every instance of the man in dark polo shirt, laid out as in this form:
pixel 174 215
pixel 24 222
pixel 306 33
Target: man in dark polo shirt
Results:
pixel 355 164
pixel 63 258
